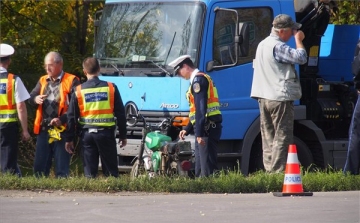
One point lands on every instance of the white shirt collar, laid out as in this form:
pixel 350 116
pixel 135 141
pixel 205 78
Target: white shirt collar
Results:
pixel 193 74
pixel 3 70
pixel 59 77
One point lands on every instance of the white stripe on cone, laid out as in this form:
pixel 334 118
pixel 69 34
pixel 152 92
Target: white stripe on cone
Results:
pixel 292 158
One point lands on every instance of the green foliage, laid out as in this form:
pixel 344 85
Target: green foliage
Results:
pixel 36 27
pixel 223 182
pixel 348 13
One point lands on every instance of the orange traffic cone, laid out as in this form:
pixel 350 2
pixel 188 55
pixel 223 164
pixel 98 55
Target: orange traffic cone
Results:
pixel 292 181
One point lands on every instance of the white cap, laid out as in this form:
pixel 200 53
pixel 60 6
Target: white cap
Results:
pixel 175 63
pixel 6 50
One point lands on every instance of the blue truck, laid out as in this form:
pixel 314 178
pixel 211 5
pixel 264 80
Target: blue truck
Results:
pixel 135 40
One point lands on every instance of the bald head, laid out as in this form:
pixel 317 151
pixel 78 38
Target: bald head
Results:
pixel 91 66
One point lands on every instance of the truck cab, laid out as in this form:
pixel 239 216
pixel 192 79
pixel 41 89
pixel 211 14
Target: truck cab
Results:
pixel 135 41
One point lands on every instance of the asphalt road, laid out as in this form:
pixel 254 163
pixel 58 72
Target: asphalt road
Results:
pixel 67 207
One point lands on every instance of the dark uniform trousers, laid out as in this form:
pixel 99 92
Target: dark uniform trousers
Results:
pixel 101 142
pixel 9 149
pixel 208 153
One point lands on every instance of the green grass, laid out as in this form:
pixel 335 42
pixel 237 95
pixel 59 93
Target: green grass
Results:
pixel 223 182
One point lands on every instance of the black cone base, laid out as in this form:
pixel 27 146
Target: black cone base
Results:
pixel 281 194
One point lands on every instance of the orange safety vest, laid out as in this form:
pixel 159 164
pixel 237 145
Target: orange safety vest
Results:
pixel 213 105
pixel 96 112
pixel 65 89
pixel 7 99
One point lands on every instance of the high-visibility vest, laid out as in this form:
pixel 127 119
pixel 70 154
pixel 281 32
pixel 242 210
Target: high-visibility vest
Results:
pixel 65 90
pixel 213 105
pixel 96 105
pixel 8 112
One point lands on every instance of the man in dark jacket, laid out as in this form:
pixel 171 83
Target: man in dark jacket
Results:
pixel 96 108
pixel 352 163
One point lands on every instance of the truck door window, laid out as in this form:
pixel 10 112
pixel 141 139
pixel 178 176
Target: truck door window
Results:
pixel 259 21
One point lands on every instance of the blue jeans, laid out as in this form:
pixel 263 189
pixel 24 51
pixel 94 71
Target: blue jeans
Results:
pixel 45 153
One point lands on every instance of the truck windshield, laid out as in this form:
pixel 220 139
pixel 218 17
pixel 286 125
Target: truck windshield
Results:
pixel 148 35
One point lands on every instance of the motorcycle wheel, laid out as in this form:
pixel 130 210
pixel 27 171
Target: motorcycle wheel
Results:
pixel 137 170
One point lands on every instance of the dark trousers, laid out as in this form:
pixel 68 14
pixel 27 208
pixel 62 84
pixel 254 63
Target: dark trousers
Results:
pixel 352 163
pixel 103 144
pixel 206 155
pixel 45 153
pixel 9 143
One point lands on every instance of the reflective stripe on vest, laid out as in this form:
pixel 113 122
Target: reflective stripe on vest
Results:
pixel 213 105
pixel 65 90
pixel 8 112
pixel 96 105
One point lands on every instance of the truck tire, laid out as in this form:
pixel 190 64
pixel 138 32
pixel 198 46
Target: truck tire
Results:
pixel 304 154
pixel 256 161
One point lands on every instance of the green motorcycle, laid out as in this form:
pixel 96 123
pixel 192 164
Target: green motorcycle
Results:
pixel 158 153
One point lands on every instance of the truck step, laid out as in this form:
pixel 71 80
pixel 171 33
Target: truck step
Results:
pixel 229 155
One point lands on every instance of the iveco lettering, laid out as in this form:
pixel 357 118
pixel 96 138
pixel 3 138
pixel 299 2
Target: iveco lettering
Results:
pixel 164 105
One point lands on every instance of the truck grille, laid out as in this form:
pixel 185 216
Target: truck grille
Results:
pixel 134 132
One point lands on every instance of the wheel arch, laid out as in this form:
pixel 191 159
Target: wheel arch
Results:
pixel 312 136
pixel 249 139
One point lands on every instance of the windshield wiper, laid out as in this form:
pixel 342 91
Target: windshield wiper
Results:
pixel 172 42
pixel 105 62
pixel 152 62
pixel 118 70
pixel 161 68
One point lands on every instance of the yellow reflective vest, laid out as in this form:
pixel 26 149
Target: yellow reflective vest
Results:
pixel 8 112
pixel 96 105
pixel 213 105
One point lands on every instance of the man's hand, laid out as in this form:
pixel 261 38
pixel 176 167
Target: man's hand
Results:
pixel 182 134
pixel 122 142
pixel 25 135
pixel 69 147
pixel 299 35
pixel 55 122
pixel 40 99
pixel 200 141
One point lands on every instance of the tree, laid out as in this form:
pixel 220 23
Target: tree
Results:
pixel 37 27
pixel 347 12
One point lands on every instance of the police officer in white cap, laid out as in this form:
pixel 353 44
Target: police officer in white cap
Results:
pixel 12 109
pixel 205 116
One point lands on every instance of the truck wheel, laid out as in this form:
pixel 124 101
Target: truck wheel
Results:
pixel 137 170
pixel 304 154
pixel 256 156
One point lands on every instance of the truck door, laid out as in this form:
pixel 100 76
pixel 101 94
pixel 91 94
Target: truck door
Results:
pixel 234 82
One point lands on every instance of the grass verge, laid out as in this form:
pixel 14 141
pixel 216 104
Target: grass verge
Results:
pixel 223 182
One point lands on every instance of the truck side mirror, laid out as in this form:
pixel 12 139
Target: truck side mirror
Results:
pixel 209 66
pixel 244 36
